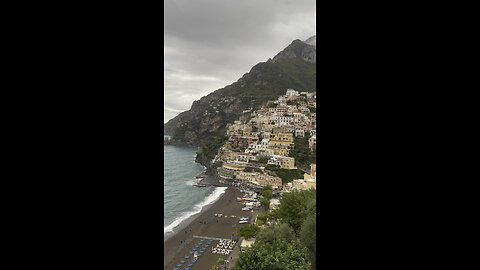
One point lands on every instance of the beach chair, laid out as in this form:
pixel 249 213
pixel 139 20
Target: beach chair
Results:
pixel 179 265
pixel 186 256
pixel 182 261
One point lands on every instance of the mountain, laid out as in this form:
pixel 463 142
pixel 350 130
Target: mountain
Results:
pixel 312 41
pixel 204 125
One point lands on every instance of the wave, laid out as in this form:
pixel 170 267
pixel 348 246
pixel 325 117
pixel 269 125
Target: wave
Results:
pixel 196 208
pixel 191 182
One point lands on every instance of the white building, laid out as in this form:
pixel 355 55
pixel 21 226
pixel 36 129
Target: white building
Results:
pixel 291 92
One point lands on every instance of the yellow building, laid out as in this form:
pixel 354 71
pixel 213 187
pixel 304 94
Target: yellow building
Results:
pixel 246 176
pixel 275 143
pixel 311 179
pixel 287 163
pixel 283 137
pixel 281 151
pixel 247 130
pixel 282 161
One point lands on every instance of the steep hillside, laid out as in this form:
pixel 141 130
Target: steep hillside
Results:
pixel 205 123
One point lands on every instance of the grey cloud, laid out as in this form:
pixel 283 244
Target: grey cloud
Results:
pixel 211 43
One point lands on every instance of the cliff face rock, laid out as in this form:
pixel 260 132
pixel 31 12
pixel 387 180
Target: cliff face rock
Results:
pixel 299 50
pixel 294 67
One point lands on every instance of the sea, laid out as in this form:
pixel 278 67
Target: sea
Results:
pixel 181 198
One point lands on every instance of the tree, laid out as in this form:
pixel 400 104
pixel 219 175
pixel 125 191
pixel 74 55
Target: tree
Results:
pixel 281 255
pixel 220 261
pixel 264 202
pixel 267 192
pixel 275 232
pixel 263 160
pixel 295 207
pixel 308 237
pixel 249 231
pixel 262 217
pixel 259 222
pixel 302 153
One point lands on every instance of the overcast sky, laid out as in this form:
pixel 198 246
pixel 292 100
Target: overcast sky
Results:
pixel 210 44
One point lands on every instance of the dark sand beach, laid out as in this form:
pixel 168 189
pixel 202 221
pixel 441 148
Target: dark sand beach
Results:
pixel 179 244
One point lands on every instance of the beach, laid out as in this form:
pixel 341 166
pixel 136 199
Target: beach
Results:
pixel 205 224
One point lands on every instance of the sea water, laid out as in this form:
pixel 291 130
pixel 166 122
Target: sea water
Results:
pixel 181 198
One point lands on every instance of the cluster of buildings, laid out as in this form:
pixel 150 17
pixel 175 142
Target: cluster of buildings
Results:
pixel 266 137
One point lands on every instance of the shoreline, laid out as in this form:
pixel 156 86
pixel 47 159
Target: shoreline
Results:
pixel 191 218
pixel 179 243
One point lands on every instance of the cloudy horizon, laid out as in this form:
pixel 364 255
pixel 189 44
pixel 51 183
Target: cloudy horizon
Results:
pixel 210 44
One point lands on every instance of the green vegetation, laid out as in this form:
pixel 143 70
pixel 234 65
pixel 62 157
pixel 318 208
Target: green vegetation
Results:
pixel 295 207
pixel 265 203
pixel 302 153
pixel 308 236
pixel 262 218
pixel 286 175
pixel 259 222
pixel 281 254
pixel 179 132
pixel 267 192
pixel 275 232
pixel 290 243
pixel 249 231
pixel 210 149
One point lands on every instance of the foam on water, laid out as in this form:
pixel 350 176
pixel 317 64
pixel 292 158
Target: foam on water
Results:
pixel 216 194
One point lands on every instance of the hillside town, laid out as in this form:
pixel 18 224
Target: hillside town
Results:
pixel 260 150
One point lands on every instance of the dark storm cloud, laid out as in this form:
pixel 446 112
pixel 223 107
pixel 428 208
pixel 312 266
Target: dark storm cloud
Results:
pixel 211 43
